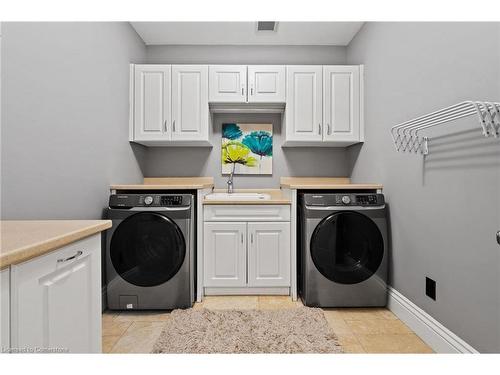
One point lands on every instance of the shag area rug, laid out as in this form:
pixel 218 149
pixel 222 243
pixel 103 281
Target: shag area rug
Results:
pixel 298 330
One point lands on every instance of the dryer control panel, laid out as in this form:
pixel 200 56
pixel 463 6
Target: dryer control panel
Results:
pixel 344 199
pixel 149 200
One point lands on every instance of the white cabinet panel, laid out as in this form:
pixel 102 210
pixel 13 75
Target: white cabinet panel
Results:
pixel 268 254
pixel 304 103
pixel 266 84
pixel 257 212
pixel 56 299
pixel 341 95
pixel 152 102
pixel 190 114
pixel 224 254
pixel 5 308
pixel 227 83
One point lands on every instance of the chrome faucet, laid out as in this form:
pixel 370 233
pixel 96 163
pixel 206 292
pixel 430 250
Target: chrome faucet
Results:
pixel 230 181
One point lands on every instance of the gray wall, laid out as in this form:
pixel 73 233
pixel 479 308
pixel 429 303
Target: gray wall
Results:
pixel 246 54
pixel 201 161
pixel 444 212
pixel 65 117
pixel 286 161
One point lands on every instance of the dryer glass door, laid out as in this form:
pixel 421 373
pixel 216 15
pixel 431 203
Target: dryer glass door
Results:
pixel 347 247
pixel 147 249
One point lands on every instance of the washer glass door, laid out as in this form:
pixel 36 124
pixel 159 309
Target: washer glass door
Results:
pixel 147 249
pixel 347 247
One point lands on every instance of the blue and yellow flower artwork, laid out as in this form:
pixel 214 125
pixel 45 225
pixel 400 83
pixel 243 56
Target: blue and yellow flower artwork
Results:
pixel 247 148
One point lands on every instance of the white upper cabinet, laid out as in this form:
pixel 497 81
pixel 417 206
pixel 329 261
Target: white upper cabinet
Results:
pixel 304 103
pixel 227 83
pixel 268 254
pixel 324 105
pixel 266 84
pixel 169 105
pixel 190 115
pixel 247 84
pixel 152 102
pixel 341 98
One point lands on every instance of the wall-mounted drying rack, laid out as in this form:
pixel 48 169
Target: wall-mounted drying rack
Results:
pixel 407 136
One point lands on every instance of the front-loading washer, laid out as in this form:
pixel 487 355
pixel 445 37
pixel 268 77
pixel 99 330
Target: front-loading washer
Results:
pixel 343 252
pixel 150 252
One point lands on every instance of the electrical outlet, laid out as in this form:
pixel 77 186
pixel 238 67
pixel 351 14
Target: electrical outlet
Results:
pixel 430 288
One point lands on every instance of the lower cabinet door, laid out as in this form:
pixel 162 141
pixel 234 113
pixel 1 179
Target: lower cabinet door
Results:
pixel 5 309
pixel 56 300
pixel 269 254
pixel 225 254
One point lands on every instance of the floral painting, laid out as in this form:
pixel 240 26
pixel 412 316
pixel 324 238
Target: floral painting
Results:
pixel 247 148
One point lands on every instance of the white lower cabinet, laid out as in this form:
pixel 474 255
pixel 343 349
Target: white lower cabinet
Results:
pixel 269 254
pixel 225 254
pixel 5 308
pixel 56 300
pixel 246 256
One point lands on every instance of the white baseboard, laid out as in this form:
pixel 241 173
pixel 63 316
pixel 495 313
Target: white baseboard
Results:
pixel 437 336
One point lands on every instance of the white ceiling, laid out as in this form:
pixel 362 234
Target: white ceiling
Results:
pixel 245 33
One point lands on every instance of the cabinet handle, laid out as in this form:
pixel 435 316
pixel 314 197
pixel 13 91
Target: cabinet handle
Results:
pixel 251 91
pixel 251 238
pixel 241 237
pixel 62 260
pixel 242 91
pixel 498 237
pixel 173 126
pixel 328 130
pixel 319 132
pixel 165 125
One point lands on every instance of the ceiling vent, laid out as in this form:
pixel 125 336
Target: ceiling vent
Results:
pixel 267 26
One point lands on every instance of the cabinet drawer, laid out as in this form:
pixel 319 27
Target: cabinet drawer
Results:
pixel 246 213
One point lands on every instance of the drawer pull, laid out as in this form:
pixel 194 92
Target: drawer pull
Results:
pixel 62 260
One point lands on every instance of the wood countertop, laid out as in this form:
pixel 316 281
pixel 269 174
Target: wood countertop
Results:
pixel 25 239
pixel 169 183
pixel 324 183
pixel 277 197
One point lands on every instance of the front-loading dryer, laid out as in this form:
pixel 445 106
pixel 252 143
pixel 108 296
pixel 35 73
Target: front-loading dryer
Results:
pixel 150 252
pixel 343 250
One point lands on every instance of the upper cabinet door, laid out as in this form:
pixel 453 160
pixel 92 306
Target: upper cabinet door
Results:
pixel 304 98
pixel 152 102
pixel 341 109
pixel 227 83
pixel 268 254
pixel 266 84
pixel 190 102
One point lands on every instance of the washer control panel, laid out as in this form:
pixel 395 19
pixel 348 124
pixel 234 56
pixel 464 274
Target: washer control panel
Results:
pixel 344 199
pixel 149 200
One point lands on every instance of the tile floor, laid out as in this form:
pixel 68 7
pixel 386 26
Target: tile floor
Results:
pixel 367 330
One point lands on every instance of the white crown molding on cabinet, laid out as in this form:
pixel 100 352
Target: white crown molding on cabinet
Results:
pixel 245 33
pixel 437 336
